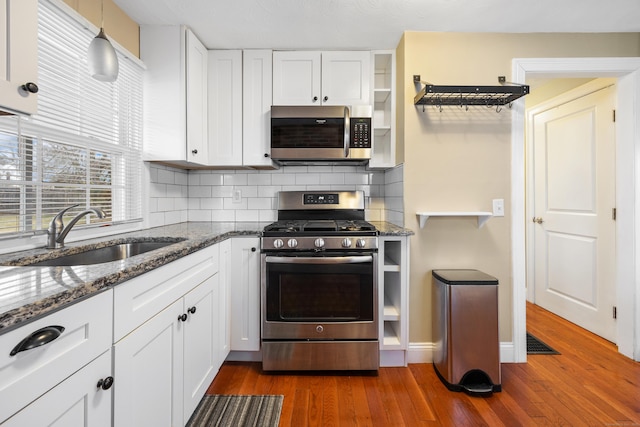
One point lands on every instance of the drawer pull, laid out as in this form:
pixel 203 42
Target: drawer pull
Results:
pixel 40 337
pixel 192 310
pixel 182 317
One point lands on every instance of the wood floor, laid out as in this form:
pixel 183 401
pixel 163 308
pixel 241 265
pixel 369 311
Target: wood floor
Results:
pixel 588 384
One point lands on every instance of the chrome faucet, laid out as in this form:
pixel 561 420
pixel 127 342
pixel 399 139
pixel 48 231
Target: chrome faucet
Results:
pixel 57 232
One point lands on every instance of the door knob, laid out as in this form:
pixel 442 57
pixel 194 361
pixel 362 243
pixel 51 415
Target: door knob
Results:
pixel 538 220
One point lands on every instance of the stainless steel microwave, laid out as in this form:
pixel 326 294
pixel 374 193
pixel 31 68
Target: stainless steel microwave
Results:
pixel 306 134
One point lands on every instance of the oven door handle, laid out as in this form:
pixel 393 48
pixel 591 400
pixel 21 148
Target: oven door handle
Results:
pixel 319 260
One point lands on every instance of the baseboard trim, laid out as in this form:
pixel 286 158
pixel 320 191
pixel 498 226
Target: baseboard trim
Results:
pixel 423 352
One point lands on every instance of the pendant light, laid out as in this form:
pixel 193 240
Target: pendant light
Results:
pixel 103 61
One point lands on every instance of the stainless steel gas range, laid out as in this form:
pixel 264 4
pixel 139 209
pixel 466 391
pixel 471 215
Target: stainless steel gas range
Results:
pixel 319 284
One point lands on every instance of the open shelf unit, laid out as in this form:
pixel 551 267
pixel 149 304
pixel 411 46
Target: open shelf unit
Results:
pixel 384 109
pixel 393 299
pixel 482 216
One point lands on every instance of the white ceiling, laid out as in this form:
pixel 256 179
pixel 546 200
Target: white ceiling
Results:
pixel 374 24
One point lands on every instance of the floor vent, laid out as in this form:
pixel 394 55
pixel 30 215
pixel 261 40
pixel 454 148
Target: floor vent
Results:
pixel 535 346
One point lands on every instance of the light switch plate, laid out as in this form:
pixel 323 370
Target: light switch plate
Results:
pixel 498 207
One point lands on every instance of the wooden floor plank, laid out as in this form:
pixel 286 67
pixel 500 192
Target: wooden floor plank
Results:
pixel 588 384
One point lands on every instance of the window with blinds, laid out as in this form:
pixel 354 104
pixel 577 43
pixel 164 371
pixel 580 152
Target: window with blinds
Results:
pixel 82 147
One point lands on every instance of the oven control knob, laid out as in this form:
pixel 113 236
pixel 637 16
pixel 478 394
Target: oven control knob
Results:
pixel 278 243
pixel 361 243
pixel 319 329
pixel 292 243
pixel 346 243
pixel 319 243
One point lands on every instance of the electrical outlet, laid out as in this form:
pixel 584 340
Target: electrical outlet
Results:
pixel 237 196
pixel 498 207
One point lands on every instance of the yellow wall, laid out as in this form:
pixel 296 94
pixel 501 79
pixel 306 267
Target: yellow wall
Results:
pixel 118 26
pixel 460 160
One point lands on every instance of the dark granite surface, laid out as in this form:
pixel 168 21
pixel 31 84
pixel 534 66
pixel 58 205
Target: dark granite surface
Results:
pixel 28 293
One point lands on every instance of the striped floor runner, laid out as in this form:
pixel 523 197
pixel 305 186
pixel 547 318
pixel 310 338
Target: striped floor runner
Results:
pixel 237 411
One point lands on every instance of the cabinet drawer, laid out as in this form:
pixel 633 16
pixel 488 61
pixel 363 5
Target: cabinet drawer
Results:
pixel 30 373
pixel 142 297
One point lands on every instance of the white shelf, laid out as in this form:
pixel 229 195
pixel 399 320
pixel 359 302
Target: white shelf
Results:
pixel 391 313
pixel 391 339
pixel 482 216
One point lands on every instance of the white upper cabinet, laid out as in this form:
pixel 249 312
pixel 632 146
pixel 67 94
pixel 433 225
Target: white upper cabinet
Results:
pixel 225 107
pixel 239 85
pixel 19 56
pixel 175 100
pixel 256 104
pixel 321 78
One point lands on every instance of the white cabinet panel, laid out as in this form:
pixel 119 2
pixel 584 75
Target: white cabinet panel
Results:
pixel 18 55
pixel 76 402
pixel 256 103
pixel 345 78
pixel 245 294
pixel 296 78
pixel 225 112
pixel 201 342
pixel 148 371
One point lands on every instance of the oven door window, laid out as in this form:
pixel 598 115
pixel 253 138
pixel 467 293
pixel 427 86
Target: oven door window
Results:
pixel 319 293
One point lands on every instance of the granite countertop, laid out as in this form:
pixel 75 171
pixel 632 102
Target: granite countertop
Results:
pixel 28 293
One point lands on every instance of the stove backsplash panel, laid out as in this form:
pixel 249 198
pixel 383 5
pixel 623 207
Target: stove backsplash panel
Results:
pixel 178 195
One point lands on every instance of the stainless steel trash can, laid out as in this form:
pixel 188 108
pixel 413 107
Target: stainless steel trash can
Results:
pixel 465 330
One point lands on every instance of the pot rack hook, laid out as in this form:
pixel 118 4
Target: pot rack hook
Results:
pixel 498 108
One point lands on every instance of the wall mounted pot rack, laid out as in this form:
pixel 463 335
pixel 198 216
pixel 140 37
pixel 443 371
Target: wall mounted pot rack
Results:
pixel 464 96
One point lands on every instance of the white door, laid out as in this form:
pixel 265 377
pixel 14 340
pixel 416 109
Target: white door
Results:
pixel 148 372
pixel 574 195
pixel 18 54
pixel 75 402
pixel 197 100
pixel 200 342
pixel 296 78
pixel 245 294
pixel 346 77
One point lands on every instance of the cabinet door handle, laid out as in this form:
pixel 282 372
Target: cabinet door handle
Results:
pixel 266 154
pixel 40 337
pixel 105 383
pixel 315 98
pixel 30 87
pixel 326 98
pixel 253 249
pixel 192 310
pixel 182 317
pixel 194 151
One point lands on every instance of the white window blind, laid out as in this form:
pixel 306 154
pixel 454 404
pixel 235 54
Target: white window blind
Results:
pixel 84 144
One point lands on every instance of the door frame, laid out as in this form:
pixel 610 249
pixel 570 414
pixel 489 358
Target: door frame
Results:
pixel 627 71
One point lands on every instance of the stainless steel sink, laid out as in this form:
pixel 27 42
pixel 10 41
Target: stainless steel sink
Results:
pixel 105 254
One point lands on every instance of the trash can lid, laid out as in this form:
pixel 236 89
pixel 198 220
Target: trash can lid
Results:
pixel 464 277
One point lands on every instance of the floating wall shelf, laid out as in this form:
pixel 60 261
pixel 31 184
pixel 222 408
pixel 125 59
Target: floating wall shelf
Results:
pixel 482 216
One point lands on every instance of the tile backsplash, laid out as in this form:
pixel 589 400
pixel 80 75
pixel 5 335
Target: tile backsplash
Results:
pixel 178 195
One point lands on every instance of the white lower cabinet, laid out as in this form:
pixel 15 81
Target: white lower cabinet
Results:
pixel 165 365
pixel 148 367
pixel 75 402
pixel 245 294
